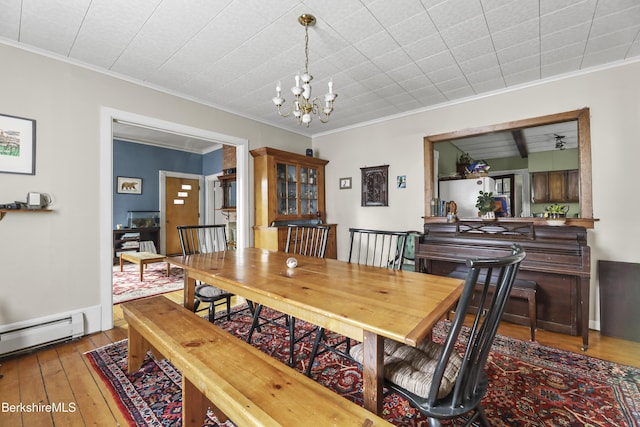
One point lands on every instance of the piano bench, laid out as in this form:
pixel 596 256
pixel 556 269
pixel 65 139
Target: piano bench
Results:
pixel 523 289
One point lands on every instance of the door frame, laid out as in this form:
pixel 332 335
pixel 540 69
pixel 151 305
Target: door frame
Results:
pixel 105 222
pixel 163 193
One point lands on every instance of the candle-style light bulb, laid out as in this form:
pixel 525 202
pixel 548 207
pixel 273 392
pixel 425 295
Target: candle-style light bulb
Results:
pixel 330 85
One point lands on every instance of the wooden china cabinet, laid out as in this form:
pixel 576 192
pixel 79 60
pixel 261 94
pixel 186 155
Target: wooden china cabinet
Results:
pixel 289 189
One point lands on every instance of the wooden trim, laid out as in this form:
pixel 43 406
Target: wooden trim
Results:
pixel 584 153
pixel 287 156
pixel 577 222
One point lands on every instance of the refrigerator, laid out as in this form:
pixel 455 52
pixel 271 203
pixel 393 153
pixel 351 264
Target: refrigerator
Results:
pixel 465 192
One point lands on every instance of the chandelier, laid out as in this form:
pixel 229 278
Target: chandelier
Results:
pixel 303 106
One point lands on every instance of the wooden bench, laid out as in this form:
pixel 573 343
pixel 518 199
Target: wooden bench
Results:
pixel 142 259
pixel 234 379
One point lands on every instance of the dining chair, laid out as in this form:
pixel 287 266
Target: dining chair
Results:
pixel 200 239
pixel 409 255
pixel 440 382
pixel 307 240
pixel 377 248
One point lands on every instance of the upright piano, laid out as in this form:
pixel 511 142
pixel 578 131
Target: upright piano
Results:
pixel 558 260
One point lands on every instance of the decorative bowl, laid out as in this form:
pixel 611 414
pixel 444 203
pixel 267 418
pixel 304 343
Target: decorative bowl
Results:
pixel 292 262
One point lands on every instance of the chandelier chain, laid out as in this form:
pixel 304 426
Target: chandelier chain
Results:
pixel 306 49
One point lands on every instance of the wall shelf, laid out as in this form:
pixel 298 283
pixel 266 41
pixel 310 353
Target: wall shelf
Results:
pixel 3 212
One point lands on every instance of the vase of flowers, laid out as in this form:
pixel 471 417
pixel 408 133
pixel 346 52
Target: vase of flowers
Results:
pixel 486 205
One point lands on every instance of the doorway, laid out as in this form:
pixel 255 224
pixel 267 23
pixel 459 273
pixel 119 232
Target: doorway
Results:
pixel 181 207
pixel 107 118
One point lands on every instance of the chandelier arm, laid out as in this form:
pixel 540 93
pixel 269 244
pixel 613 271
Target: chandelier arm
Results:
pixel 288 113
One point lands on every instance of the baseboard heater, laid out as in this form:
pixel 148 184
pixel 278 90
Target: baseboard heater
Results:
pixel 29 337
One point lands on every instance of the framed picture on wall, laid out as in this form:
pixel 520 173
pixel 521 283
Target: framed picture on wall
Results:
pixel 375 186
pixel 17 145
pixel 345 183
pixel 126 185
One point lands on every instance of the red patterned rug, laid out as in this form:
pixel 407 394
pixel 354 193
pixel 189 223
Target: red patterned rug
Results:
pixel 530 384
pixel 127 285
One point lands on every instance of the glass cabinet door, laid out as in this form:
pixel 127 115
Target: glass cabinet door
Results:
pixel 297 190
pixel 286 187
pixel 308 191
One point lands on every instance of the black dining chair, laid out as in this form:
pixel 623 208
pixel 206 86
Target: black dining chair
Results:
pixel 377 248
pixel 200 239
pixel 307 240
pixel 440 382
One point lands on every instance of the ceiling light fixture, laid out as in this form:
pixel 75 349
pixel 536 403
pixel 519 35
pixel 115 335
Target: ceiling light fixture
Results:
pixel 560 142
pixel 303 107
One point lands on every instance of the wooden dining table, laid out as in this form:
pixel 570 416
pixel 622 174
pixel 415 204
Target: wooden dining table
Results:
pixel 361 302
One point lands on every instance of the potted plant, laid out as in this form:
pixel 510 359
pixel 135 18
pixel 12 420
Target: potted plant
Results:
pixel 462 162
pixel 486 205
pixel 555 214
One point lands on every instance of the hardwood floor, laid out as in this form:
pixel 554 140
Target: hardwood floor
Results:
pixel 61 375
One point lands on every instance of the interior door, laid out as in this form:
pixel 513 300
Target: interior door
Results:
pixel 182 208
pixel 216 195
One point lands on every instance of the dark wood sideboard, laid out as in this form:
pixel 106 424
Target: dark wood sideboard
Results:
pixel 558 260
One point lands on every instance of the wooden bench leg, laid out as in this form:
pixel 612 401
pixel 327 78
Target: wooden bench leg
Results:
pixel 195 405
pixel 137 350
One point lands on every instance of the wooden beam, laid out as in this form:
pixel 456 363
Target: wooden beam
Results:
pixel 521 142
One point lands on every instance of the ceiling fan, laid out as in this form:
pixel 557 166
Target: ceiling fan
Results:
pixel 560 142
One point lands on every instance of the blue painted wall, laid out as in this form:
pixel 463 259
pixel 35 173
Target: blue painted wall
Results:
pixel 212 162
pixel 145 161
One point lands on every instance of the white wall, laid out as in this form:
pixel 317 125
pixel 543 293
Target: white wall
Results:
pixel 49 263
pixel 613 96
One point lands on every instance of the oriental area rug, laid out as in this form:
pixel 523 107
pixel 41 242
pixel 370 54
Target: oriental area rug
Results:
pixel 529 384
pixel 127 285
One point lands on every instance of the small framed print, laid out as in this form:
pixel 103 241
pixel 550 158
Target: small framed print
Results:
pixel 345 183
pixel 126 185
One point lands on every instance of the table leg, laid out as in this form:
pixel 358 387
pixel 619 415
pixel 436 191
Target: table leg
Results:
pixel 189 291
pixel 121 263
pixel 141 270
pixel 373 371
pixel 168 269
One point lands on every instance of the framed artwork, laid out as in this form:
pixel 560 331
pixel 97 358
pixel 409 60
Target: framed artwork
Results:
pixel 345 183
pixel 127 185
pixel 402 181
pixel 375 186
pixel 17 145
